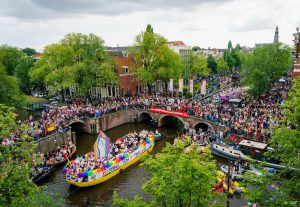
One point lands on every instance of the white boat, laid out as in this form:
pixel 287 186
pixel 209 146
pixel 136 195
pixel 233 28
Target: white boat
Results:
pixel 247 150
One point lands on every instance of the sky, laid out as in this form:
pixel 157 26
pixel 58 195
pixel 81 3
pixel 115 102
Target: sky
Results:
pixel 203 23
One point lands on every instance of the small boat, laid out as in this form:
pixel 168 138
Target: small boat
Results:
pixel 246 150
pixel 240 174
pixel 111 168
pixel 42 176
pixel 59 162
pixel 159 136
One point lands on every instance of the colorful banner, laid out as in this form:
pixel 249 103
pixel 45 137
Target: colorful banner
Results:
pixel 172 112
pixel 180 85
pixel 102 146
pixel 203 87
pixel 171 85
pixel 191 86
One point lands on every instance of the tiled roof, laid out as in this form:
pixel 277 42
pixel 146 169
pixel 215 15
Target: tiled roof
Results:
pixel 177 43
pixel 37 56
pixel 124 61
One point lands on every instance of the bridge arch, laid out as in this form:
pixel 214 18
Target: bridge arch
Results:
pixel 205 126
pixel 77 125
pixel 170 120
pixel 144 116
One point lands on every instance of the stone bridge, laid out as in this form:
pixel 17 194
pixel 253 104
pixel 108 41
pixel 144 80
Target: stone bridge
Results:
pixel 94 125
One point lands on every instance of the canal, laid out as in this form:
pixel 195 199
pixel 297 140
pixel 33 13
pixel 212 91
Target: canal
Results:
pixel 127 185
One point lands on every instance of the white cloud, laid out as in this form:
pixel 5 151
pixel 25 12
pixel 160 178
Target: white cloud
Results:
pixel 37 23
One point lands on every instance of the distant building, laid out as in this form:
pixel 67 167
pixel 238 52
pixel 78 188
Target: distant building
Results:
pixel 276 35
pixel 37 56
pixel 296 52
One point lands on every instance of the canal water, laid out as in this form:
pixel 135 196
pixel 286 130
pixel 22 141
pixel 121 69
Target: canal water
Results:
pixel 127 185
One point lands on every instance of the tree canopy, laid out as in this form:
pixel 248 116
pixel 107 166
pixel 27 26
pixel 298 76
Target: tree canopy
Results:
pixel 198 65
pixel 212 64
pixel 264 67
pixel 16 189
pixel 77 60
pixel 185 182
pixel 155 60
pixel 9 89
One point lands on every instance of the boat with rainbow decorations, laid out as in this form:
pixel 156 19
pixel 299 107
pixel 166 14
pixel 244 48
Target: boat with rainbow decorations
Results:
pixel 111 164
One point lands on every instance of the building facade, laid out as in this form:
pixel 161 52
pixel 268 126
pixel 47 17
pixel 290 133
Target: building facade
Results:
pixel 296 52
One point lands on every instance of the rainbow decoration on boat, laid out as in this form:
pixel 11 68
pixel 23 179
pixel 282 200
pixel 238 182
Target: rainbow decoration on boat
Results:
pixel 101 147
pixel 111 168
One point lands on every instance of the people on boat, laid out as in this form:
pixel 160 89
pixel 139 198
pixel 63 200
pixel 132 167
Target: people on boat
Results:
pixel 123 145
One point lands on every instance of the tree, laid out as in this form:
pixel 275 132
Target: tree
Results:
pixel 235 54
pixel 212 64
pixel 77 60
pixel 16 189
pixel 229 45
pixel 265 66
pixel 22 73
pixel 9 90
pixel 152 56
pixel 10 57
pixel 285 185
pixel 229 59
pixel 29 51
pixel 222 65
pixel 199 65
pixel 179 178
pixel 168 64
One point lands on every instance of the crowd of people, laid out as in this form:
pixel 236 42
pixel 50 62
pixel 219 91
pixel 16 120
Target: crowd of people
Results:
pixel 122 147
pixel 251 121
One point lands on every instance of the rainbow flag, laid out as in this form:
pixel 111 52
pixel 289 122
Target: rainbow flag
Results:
pixel 102 146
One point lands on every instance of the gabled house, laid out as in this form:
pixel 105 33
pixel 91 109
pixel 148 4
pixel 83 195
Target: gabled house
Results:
pixel 125 69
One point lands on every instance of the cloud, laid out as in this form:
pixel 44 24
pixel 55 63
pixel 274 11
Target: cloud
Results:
pixel 253 25
pixel 48 9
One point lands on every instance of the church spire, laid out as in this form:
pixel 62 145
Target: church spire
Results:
pixel 276 36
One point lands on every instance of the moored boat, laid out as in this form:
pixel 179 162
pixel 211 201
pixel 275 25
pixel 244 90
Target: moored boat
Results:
pixel 109 167
pixel 58 160
pixel 247 150
pixel 42 175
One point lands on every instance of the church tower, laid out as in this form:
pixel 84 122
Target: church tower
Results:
pixel 276 36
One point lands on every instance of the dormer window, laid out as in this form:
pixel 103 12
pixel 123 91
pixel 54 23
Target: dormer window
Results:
pixel 125 69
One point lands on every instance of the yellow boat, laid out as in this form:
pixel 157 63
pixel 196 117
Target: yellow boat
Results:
pixel 115 171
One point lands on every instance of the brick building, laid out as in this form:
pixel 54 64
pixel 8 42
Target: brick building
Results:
pixel 125 68
pixel 296 66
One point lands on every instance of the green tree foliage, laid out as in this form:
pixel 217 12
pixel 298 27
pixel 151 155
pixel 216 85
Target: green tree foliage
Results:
pixel 10 57
pixel 212 64
pixel 179 178
pixel 29 51
pixel 16 189
pixel 222 65
pixel 77 60
pixel 22 73
pixel 265 66
pixel 9 89
pixel 229 45
pixel 229 59
pixel 154 59
pixel 282 189
pixel 199 65
pixel 235 54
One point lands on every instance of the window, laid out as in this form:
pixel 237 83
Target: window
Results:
pixel 125 68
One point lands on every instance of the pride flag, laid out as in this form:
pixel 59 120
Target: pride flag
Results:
pixel 102 146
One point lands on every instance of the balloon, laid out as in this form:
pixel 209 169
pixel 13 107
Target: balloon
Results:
pixel 80 175
pixel 85 174
pixel 90 173
pixel 94 172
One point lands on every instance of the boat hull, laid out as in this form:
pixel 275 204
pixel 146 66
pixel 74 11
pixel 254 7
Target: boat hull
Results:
pixel 113 173
pixel 232 154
